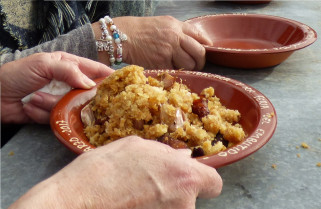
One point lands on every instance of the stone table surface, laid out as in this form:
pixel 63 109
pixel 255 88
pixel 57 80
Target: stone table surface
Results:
pixel 294 88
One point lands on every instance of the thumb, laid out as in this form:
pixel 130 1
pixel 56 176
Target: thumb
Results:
pixel 211 183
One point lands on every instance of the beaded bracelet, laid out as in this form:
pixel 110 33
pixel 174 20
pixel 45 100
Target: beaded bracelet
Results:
pixel 119 37
pixel 105 43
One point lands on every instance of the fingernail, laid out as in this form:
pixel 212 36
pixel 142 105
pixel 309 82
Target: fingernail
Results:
pixel 27 107
pixel 88 82
pixel 37 99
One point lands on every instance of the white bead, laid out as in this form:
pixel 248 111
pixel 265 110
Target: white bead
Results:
pixel 108 19
pixel 112 59
pixel 119 59
pixel 113 27
pixel 109 38
pixel 117 41
pixel 101 20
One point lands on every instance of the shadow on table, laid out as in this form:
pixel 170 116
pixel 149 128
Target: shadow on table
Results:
pixel 8 131
pixel 248 76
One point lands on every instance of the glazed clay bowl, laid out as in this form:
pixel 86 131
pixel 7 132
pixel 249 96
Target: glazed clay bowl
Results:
pixel 252 40
pixel 258 116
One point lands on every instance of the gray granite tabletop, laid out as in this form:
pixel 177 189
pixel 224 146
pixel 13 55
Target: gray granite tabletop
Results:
pixel 281 175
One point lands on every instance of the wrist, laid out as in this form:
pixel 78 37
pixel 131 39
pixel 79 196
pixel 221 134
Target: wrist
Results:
pixel 102 55
pixel 119 21
pixel 109 41
pixel 43 195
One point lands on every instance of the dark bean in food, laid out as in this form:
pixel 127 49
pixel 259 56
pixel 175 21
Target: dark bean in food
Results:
pixel 219 137
pixel 198 152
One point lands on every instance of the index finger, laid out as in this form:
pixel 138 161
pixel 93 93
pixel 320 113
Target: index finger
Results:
pixel 89 67
pixel 196 33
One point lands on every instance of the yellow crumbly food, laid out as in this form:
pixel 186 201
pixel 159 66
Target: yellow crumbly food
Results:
pixel 129 103
pixel 305 145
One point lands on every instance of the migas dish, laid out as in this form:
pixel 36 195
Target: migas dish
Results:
pixel 258 116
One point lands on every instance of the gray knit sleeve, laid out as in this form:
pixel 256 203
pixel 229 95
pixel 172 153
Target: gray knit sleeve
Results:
pixel 80 42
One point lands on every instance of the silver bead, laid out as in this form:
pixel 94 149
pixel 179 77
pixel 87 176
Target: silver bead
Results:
pixel 123 37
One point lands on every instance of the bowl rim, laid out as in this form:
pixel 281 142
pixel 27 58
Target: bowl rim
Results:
pixel 310 35
pixel 265 127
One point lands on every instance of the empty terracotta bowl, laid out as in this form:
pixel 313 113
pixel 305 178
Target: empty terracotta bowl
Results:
pixel 252 40
pixel 258 116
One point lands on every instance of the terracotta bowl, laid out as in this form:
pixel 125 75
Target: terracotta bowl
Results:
pixel 252 40
pixel 258 116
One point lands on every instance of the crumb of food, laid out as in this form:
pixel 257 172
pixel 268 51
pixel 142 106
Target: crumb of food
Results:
pixel 297 147
pixel 320 139
pixel 319 164
pixel 164 109
pixel 298 155
pixel 11 153
pixel 305 145
pixel 274 166
pixel 271 114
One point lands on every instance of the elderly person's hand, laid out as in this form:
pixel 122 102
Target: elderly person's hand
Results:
pixel 160 42
pixel 24 76
pixel 128 173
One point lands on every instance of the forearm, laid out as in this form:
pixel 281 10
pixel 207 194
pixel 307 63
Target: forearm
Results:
pixel 79 42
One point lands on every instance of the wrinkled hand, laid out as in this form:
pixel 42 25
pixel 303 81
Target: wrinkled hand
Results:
pixel 162 42
pixel 128 173
pixel 24 76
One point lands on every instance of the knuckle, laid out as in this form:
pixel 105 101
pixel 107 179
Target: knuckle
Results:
pixel 41 57
pixel 132 141
pixel 169 18
pixel 189 180
pixel 41 61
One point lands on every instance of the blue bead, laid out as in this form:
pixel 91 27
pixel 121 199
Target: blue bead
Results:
pixel 116 35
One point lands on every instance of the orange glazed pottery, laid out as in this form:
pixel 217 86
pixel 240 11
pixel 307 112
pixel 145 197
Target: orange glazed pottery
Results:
pixel 258 116
pixel 252 40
